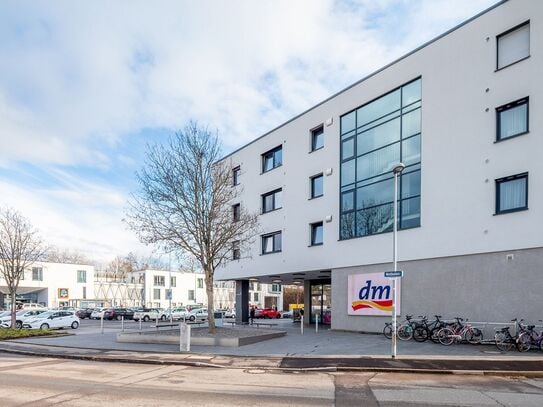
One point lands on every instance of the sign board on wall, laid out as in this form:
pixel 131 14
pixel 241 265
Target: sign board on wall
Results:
pixel 371 294
pixel 63 293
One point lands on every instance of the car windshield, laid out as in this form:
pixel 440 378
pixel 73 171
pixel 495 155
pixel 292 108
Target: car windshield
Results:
pixel 44 314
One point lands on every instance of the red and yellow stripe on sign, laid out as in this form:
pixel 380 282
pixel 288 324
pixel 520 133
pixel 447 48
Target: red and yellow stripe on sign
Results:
pixel 383 305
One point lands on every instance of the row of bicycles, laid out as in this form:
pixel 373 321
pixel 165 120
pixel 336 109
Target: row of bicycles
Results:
pixel 524 339
pixel 437 330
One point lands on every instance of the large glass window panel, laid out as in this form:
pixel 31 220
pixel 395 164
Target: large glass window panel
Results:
pixel 347 225
pixel 347 149
pixel 411 150
pixel 267 244
pixel 316 234
pixel 410 213
pixel 317 187
pixel 411 93
pixel 512 194
pixel 347 201
pixel 347 172
pixel 411 123
pixel 380 107
pixel 513 46
pixel 373 220
pixel 378 162
pixel 410 184
pixel 277 242
pixel 513 121
pixel 379 136
pixel 348 122
pixel 375 194
pixel 278 157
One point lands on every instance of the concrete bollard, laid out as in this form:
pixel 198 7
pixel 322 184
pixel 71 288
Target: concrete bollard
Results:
pixel 122 323
pixel 140 324
pixel 102 324
pixel 302 325
pixel 184 337
pixel 316 323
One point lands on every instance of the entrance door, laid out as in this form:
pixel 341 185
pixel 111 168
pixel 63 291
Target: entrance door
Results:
pixel 321 302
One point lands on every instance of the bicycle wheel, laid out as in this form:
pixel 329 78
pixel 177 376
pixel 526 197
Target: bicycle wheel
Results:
pixel 446 336
pixel 541 344
pixel 524 342
pixel 387 331
pixel 503 342
pixel 474 336
pixel 420 334
pixel 405 332
pixel 434 334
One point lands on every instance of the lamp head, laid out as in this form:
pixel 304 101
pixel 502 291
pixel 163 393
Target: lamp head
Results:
pixel 398 168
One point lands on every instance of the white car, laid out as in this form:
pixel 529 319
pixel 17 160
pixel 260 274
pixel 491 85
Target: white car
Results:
pixel 178 313
pixel 231 313
pixel 20 317
pixel 197 315
pixel 147 314
pixel 98 313
pixel 53 320
pixel 32 305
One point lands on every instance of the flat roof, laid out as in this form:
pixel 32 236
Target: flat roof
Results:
pixel 499 3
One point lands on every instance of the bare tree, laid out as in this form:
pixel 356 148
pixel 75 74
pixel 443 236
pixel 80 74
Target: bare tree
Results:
pixel 119 268
pixel 20 247
pixel 185 203
pixel 58 255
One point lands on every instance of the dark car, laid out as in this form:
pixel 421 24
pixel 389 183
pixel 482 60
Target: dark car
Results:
pixel 84 313
pixel 118 313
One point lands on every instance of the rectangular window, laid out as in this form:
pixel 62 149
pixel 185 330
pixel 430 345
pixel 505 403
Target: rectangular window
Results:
pixel 276 288
pixel 156 294
pixel 317 234
pixel 236 212
pixel 272 200
pixel 37 274
pixel 173 281
pixel 256 297
pixel 512 193
pixel 317 138
pixel 374 138
pixel 235 175
pixel 513 45
pixel 317 186
pixel 159 281
pixel 200 283
pixel 236 252
pixel 81 276
pixel 84 293
pixel 271 243
pixel 191 295
pixel 272 159
pixel 512 119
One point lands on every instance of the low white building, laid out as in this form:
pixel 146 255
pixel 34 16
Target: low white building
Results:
pixel 52 285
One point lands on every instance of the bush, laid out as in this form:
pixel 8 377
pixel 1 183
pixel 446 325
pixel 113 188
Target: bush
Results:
pixel 8 333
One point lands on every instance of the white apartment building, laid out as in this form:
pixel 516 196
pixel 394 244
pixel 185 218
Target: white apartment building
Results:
pixel 463 114
pixel 260 295
pixel 52 285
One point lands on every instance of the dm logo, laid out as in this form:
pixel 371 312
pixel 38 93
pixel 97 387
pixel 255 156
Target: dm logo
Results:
pixel 370 294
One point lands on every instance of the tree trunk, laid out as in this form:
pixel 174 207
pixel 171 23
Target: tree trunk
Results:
pixel 210 302
pixel 13 294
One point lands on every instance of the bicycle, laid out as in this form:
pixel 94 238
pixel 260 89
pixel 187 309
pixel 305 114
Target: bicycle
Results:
pixel 528 338
pixel 460 332
pixel 424 330
pixel 503 338
pixel 404 330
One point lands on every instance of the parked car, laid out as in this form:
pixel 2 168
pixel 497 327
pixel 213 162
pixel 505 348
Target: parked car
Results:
pixel 231 313
pixel 84 313
pixel 178 313
pixel 287 314
pixel 198 315
pixel 53 320
pixel 118 313
pixel 20 317
pixel 31 305
pixel 98 313
pixel 269 313
pixel 146 314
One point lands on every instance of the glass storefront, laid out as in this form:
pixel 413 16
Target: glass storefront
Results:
pixel 321 302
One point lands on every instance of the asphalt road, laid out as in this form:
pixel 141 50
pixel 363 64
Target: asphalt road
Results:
pixel 32 381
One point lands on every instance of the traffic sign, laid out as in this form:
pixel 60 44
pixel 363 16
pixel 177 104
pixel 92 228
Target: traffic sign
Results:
pixel 393 274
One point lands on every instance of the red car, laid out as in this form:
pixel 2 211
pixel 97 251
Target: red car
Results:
pixel 269 313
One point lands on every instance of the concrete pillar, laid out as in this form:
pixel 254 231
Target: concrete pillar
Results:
pixel 242 301
pixel 307 302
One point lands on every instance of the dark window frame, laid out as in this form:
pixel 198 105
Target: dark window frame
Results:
pixel 509 31
pixel 498 182
pixel 274 204
pixel 271 235
pixel 509 106
pixel 315 133
pixel 236 171
pixel 236 251
pixel 313 226
pixel 274 164
pixel 236 212
pixel 312 185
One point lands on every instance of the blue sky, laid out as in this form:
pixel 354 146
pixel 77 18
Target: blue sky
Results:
pixel 85 86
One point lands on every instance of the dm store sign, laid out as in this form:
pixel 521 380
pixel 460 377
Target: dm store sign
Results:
pixel 371 294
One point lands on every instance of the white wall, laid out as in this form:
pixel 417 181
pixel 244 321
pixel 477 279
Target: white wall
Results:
pixel 180 293
pixel 460 160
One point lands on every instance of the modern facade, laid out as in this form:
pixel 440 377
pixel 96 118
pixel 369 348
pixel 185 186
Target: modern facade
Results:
pixel 462 113
pixel 52 285
pixel 260 295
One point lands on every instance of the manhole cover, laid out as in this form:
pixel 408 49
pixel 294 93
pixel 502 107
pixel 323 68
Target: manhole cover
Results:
pixel 255 371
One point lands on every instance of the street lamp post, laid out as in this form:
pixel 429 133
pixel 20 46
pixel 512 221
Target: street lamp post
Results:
pixel 397 170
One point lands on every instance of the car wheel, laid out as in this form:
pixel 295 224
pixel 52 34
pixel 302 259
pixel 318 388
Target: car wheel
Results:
pixel 145 318
pixel 163 318
pixel 192 318
pixel 44 326
pixel 278 316
pixel 18 324
pixel 75 325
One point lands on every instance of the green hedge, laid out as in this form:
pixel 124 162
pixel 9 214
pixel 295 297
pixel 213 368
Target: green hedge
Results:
pixel 8 333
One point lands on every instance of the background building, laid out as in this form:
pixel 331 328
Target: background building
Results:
pixel 463 113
